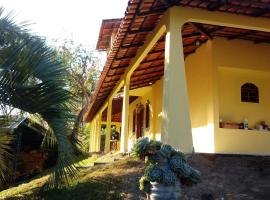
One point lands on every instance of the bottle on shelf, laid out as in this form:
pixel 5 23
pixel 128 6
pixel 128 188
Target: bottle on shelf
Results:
pixel 246 124
pixel 220 123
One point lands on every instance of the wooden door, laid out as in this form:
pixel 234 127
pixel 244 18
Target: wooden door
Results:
pixel 139 121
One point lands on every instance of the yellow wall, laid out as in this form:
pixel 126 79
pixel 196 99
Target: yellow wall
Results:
pixel 157 103
pixel 239 62
pixel 153 94
pixel 231 107
pixel 241 54
pixel 200 78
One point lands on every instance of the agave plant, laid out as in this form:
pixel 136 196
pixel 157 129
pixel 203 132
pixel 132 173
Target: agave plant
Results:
pixel 165 165
pixel 33 80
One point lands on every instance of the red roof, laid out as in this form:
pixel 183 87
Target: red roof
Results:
pixel 117 109
pixel 139 21
pixel 108 27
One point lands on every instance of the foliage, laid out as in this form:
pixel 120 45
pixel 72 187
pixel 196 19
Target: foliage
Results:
pixel 37 122
pixel 169 177
pixel 145 147
pixel 34 80
pixel 103 136
pixel 153 146
pixel 102 139
pixel 153 172
pixel 164 164
pixel 113 133
pixel 140 148
pixel 6 139
pixel 166 150
pixel 145 185
pixel 86 129
pixel 83 68
pixel 180 166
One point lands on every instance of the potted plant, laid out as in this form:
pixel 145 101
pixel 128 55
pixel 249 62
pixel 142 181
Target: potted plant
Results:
pixel 165 169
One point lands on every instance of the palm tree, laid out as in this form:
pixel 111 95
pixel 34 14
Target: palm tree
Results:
pixel 5 154
pixel 33 80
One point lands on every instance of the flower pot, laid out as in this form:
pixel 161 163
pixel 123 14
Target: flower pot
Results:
pixel 162 192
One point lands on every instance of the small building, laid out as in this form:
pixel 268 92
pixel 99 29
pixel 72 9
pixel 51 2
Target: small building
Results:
pixel 193 73
pixel 27 158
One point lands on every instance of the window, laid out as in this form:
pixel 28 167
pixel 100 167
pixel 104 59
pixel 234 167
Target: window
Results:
pixel 147 115
pixel 249 93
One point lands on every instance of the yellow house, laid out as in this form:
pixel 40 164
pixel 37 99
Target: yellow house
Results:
pixel 198 74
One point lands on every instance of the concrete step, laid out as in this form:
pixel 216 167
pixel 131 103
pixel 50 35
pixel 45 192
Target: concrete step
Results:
pixel 100 162
pixel 95 164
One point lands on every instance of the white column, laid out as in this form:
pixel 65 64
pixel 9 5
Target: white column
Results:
pixel 108 127
pixel 176 125
pixel 125 114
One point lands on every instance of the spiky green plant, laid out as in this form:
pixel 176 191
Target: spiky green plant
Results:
pixel 32 79
pixel 166 150
pixel 153 173
pixel 140 148
pixel 153 146
pixel 164 164
pixel 145 185
pixel 168 177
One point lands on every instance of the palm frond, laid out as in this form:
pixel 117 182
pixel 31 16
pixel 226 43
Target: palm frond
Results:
pixel 32 79
pixel 6 154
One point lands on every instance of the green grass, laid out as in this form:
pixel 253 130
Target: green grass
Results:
pixel 100 182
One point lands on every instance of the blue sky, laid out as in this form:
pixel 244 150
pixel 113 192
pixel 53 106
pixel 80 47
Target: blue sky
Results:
pixel 76 19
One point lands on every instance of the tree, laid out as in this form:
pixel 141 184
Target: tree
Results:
pixel 34 80
pixel 83 65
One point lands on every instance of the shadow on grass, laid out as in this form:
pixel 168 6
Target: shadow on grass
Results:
pixel 94 189
pixel 108 182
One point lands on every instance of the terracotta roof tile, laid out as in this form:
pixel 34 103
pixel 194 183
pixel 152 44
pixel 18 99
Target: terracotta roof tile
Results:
pixel 141 17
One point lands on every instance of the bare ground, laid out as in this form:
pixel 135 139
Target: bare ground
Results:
pixel 225 177
pixel 231 177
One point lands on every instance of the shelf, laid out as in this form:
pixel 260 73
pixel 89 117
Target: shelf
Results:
pixel 244 130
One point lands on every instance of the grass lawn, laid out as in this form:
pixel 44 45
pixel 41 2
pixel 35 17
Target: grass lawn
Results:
pixel 112 181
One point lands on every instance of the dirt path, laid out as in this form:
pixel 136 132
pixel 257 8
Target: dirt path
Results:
pixel 130 183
